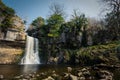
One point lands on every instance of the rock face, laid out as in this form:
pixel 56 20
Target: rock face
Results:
pixel 11 26
pixel 10 51
pixel 16 32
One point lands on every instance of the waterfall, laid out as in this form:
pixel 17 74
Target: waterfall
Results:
pixel 31 54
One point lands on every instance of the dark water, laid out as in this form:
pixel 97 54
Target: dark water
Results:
pixel 9 71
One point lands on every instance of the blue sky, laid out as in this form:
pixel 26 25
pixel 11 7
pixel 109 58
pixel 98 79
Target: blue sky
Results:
pixel 31 9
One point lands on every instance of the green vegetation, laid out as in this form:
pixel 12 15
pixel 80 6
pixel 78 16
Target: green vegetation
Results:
pixel 6 14
pixel 104 53
pixel 80 40
pixel 8 19
pixel 54 22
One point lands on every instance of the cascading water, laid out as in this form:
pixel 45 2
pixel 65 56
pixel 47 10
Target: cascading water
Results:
pixel 31 55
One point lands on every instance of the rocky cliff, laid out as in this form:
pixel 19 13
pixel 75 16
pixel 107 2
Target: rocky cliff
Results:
pixel 11 51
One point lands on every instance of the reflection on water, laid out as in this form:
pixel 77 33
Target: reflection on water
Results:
pixel 9 71
pixel 12 70
pixel 29 68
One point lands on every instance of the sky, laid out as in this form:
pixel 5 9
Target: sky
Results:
pixel 31 9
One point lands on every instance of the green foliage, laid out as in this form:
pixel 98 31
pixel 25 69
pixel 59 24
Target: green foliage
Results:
pixel 6 23
pixel 38 22
pixel 6 14
pixel 76 32
pixel 103 53
pixel 79 21
pixel 6 11
pixel 75 28
pixel 54 22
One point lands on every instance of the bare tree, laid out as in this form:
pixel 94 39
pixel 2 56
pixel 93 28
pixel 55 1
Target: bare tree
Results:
pixel 113 18
pixel 113 5
pixel 57 9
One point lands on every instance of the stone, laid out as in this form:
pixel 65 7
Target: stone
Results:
pixel 104 74
pixel 30 74
pixel 17 77
pixel 86 73
pixel 73 77
pixel 81 78
pixel 34 72
pixel 42 74
pixel 80 74
pixel 1 76
pixel 49 78
pixel 27 77
pixel 84 69
pixel 54 75
pixel 69 69
pixel 37 75
pixel 66 75
pixel 23 79
pixel 53 71
pixel 21 75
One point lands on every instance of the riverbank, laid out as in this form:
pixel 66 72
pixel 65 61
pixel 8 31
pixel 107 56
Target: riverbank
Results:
pixel 11 51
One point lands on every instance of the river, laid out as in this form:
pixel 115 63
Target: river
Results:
pixel 11 71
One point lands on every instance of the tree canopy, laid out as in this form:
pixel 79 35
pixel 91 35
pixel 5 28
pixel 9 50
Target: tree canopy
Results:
pixel 38 22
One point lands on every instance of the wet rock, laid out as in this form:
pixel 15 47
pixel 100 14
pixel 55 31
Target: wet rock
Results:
pixel 65 75
pixel 30 75
pixel 21 75
pixel 84 69
pixel 33 76
pixel 104 74
pixel 53 71
pixel 23 79
pixel 42 74
pixel 49 78
pixel 86 73
pixel 81 78
pixel 95 68
pixel 79 74
pixel 72 77
pixel 1 76
pixel 69 69
pixel 34 72
pixel 54 75
pixel 105 66
pixel 17 77
pixel 27 77
pixel 37 75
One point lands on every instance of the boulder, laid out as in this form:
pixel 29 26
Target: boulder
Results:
pixel 104 74
pixel 69 69
pixel 72 77
pixel 1 76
